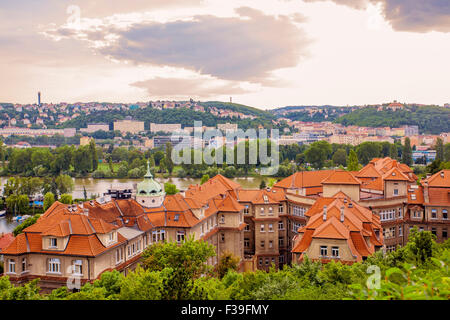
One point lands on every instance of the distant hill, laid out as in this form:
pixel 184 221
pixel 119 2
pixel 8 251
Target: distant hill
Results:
pixel 430 119
pixel 184 116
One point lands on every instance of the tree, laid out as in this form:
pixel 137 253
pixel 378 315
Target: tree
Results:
pixel 407 152
pixel 170 188
pixel 93 155
pixel 28 222
pixel 82 161
pixel 205 178
pixel 64 183
pixel 340 158
pixel 440 149
pixel 49 199
pixel 191 255
pixel 168 158
pixel 158 156
pixel 66 198
pixel 18 203
pixel 367 151
pixel 228 261
pixel 352 164
pixel 317 153
pixel 84 193
pixel 263 184
pixel 447 152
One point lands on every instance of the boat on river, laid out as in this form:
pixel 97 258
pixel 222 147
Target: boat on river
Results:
pixel 2 213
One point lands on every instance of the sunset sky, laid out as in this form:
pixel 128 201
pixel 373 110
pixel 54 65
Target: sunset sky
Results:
pixel 263 53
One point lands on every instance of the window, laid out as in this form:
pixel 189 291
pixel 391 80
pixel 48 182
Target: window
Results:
pixel 247 228
pixel 444 214
pixel 433 214
pixel 280 225
pixel 12 266
pixel 296 226
pixel 24 264
pixel 323 251
pixel 270 227
pixel 222 219
pixel 267 261
pixel 399 213
pixel 280 208
pixel 260 261
pixel 222 237
pixel 281 259
pixel 270 244
pixel 111 236
pixel 262 228
pixel 77 267
pixel 119 255
pixel 433 231
pixel 395 192
pixel 298 211
pixel 263 243
pixel 262 211
pixel 281 241
pixel 444 233
pixel 270 211
pixel 246 211
pixel 266 199
pixel 158 235
pixel 54 265
pixel 180 236
pixel 400 231
pixel 335 252
pixel 53 243
pixel 393 232
pixel 247 243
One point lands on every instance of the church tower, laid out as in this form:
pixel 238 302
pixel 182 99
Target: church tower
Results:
pixel 149 193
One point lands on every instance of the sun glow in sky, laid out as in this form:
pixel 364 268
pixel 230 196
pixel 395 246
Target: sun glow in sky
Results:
pixel 263 53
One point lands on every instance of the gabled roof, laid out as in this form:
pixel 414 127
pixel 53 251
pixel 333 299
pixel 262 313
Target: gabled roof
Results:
pixel 304 179
pixel 331 229
pixel 368 171
pixel 440 179
pixel 395 174
pixel 6 240
pixel 341 177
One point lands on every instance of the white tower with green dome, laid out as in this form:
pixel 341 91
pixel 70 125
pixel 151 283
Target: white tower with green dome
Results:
pixel 149 193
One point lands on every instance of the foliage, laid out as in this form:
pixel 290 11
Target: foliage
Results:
pixel 28 222
pixel 430 119
pixel 170 188
pixel 49 199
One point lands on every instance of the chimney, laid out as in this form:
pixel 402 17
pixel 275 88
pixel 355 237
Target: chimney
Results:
pixel 342 213
pixel 324 213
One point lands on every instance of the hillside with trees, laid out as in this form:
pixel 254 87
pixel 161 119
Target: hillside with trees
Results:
pixel 185 116
pixel 430 119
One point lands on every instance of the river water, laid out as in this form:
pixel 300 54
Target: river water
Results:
pixel 95 187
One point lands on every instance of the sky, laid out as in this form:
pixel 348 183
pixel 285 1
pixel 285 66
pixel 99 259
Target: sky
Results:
pixel 262 53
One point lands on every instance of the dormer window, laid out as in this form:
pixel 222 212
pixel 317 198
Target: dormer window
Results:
pixel 53 243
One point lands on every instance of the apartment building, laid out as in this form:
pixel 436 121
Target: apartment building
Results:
pixel 93 127
pixel 165 127
pixel 128 125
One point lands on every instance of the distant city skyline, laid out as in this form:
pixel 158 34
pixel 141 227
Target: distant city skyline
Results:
pixel 261 53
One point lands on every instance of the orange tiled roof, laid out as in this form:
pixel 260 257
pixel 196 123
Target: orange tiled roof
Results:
pixel 341 177
pixel 6 240
pixel 440 179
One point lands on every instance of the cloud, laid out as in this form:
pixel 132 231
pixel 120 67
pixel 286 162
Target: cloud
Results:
pixel 196 88
pixel 408 15
pixel 245 48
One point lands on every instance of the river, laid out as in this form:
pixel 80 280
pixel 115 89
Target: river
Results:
pixel 99 186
